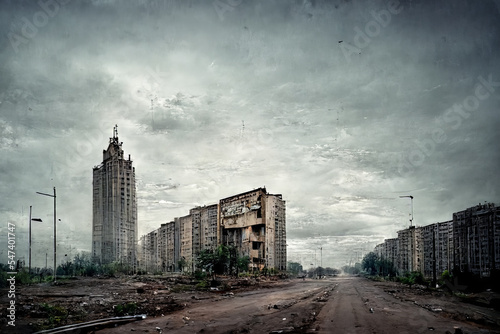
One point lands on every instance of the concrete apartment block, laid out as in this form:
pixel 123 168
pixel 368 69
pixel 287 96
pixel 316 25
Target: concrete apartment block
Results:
pixel 391 250
pixel 476 238
pixel 470 242
pixel 410 247
pixel 437 249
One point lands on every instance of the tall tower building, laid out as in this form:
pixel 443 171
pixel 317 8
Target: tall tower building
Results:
pixel 114 223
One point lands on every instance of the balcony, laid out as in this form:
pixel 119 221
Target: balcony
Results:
pixel 257 237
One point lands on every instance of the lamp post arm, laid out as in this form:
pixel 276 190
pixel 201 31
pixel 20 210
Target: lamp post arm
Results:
pixel 55 219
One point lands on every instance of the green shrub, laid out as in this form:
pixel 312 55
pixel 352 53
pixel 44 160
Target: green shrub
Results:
pixel 199 275
pixel 125 309
pixel 414 277
pixel 446 276
pixel 202 285
pixel 23 277
pixel 57 315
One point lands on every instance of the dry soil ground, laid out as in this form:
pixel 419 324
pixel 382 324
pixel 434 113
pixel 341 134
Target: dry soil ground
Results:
pixel 173 305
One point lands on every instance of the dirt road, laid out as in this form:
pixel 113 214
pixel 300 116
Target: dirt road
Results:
pixel 360 306
pixel 288 307
pixel 336 305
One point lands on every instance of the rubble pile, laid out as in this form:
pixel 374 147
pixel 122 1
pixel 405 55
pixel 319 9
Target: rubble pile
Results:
pixel 447 304
pixel 83 299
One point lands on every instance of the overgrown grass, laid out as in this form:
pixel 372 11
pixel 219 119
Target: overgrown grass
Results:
pixel 57 315
pixel 181 288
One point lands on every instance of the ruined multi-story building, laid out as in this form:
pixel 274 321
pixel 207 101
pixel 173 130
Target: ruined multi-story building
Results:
pixel 437 249
pixel 209 226
pixel 254 223
pixel 476 237
pixel 468 243
pixel 410 250
pixel 176 244
pixel 380 250
pixel 197 231
pixel 114 219
pixel 391 250
pixel 186 242
pixel 162 248
pixel 148 252
pixel 172 255
pixel 388 250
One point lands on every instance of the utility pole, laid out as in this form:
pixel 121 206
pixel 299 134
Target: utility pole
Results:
pixel 55 243
pixel 29 237
pixel 321 256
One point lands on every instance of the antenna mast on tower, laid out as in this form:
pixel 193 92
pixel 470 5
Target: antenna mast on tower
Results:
pixel 411 198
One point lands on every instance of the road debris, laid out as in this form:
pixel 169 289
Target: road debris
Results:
pixel 93 324
pixel 283 330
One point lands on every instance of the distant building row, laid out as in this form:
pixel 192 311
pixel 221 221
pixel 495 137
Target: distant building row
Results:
pixel 254 222
pixel 470 242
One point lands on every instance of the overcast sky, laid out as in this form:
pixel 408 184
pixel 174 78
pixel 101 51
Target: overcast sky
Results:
pixel 340 106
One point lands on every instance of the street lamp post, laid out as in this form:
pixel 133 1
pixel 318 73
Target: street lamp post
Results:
pixel 321 256
pixel 55 247
pixel 31 219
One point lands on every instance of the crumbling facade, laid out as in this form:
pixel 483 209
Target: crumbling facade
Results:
pixel 114 219
pixel 253 222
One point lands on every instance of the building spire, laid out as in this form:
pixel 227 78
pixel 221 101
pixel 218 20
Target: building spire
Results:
pixel 115 132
